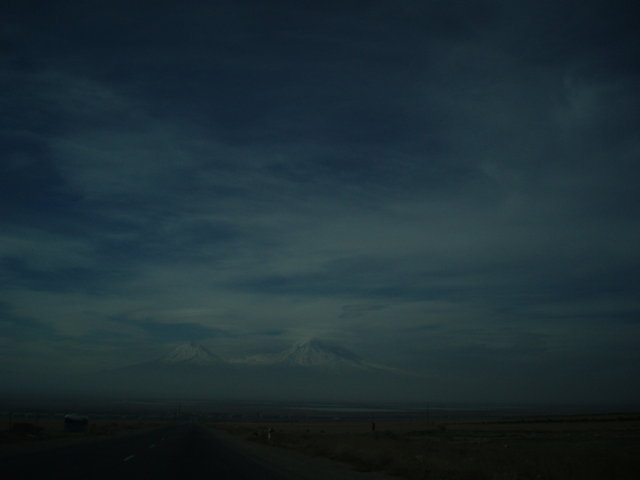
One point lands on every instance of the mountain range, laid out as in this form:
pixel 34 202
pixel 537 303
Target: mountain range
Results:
pixel 310 370
pixel 315 354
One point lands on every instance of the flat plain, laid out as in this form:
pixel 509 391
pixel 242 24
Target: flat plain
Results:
pixel 32 435
pixel 541 447
pixel 571 447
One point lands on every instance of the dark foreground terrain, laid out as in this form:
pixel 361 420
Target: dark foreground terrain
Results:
pixel 134 450
pixel 570 447
pixel 562 448
pixel 170 452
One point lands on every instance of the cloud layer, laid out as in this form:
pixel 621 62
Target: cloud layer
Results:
pixel 449 187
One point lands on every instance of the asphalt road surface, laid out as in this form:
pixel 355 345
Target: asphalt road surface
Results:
pixel 176 453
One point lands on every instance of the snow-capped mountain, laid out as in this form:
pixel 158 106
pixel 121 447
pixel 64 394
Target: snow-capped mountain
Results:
pixel 316 353
pixel 191 354
pixel 311 370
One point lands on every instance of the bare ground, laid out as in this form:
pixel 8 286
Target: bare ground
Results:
pixel 583 448
pixel 32 436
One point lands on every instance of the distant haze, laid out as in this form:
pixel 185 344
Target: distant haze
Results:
pixel 432 199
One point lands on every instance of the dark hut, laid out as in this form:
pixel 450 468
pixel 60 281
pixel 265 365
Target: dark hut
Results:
pixel 75 423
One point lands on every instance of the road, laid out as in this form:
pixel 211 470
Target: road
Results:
pixel 175 452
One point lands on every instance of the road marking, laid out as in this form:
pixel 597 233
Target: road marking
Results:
pixel 128 458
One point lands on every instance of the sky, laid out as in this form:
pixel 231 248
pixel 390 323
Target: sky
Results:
pixel 447 187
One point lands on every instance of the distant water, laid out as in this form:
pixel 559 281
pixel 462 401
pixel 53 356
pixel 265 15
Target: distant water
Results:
pixel 212 409
pixel 345 409
pixel 460 410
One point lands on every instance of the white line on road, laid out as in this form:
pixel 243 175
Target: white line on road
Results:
pixel 128 458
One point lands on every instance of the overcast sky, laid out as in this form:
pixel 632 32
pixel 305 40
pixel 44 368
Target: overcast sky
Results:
pixel 449 187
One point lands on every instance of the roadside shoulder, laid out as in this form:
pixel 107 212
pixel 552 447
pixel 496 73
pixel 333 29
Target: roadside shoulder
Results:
pixel 295 465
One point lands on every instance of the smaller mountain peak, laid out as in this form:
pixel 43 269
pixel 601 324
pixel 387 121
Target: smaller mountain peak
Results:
pixel 318 353
pixel 191 353
pixel 330 348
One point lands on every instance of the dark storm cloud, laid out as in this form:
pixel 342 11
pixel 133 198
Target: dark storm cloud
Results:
pixel 456 178
pixel 597 36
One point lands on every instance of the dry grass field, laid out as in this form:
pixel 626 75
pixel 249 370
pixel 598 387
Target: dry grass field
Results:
pixel 31 431
pixel 598 447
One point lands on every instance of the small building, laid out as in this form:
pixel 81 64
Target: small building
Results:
pixel 74 423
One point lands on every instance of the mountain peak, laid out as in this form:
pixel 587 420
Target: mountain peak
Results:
pixel 191 354
pixel 317 353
